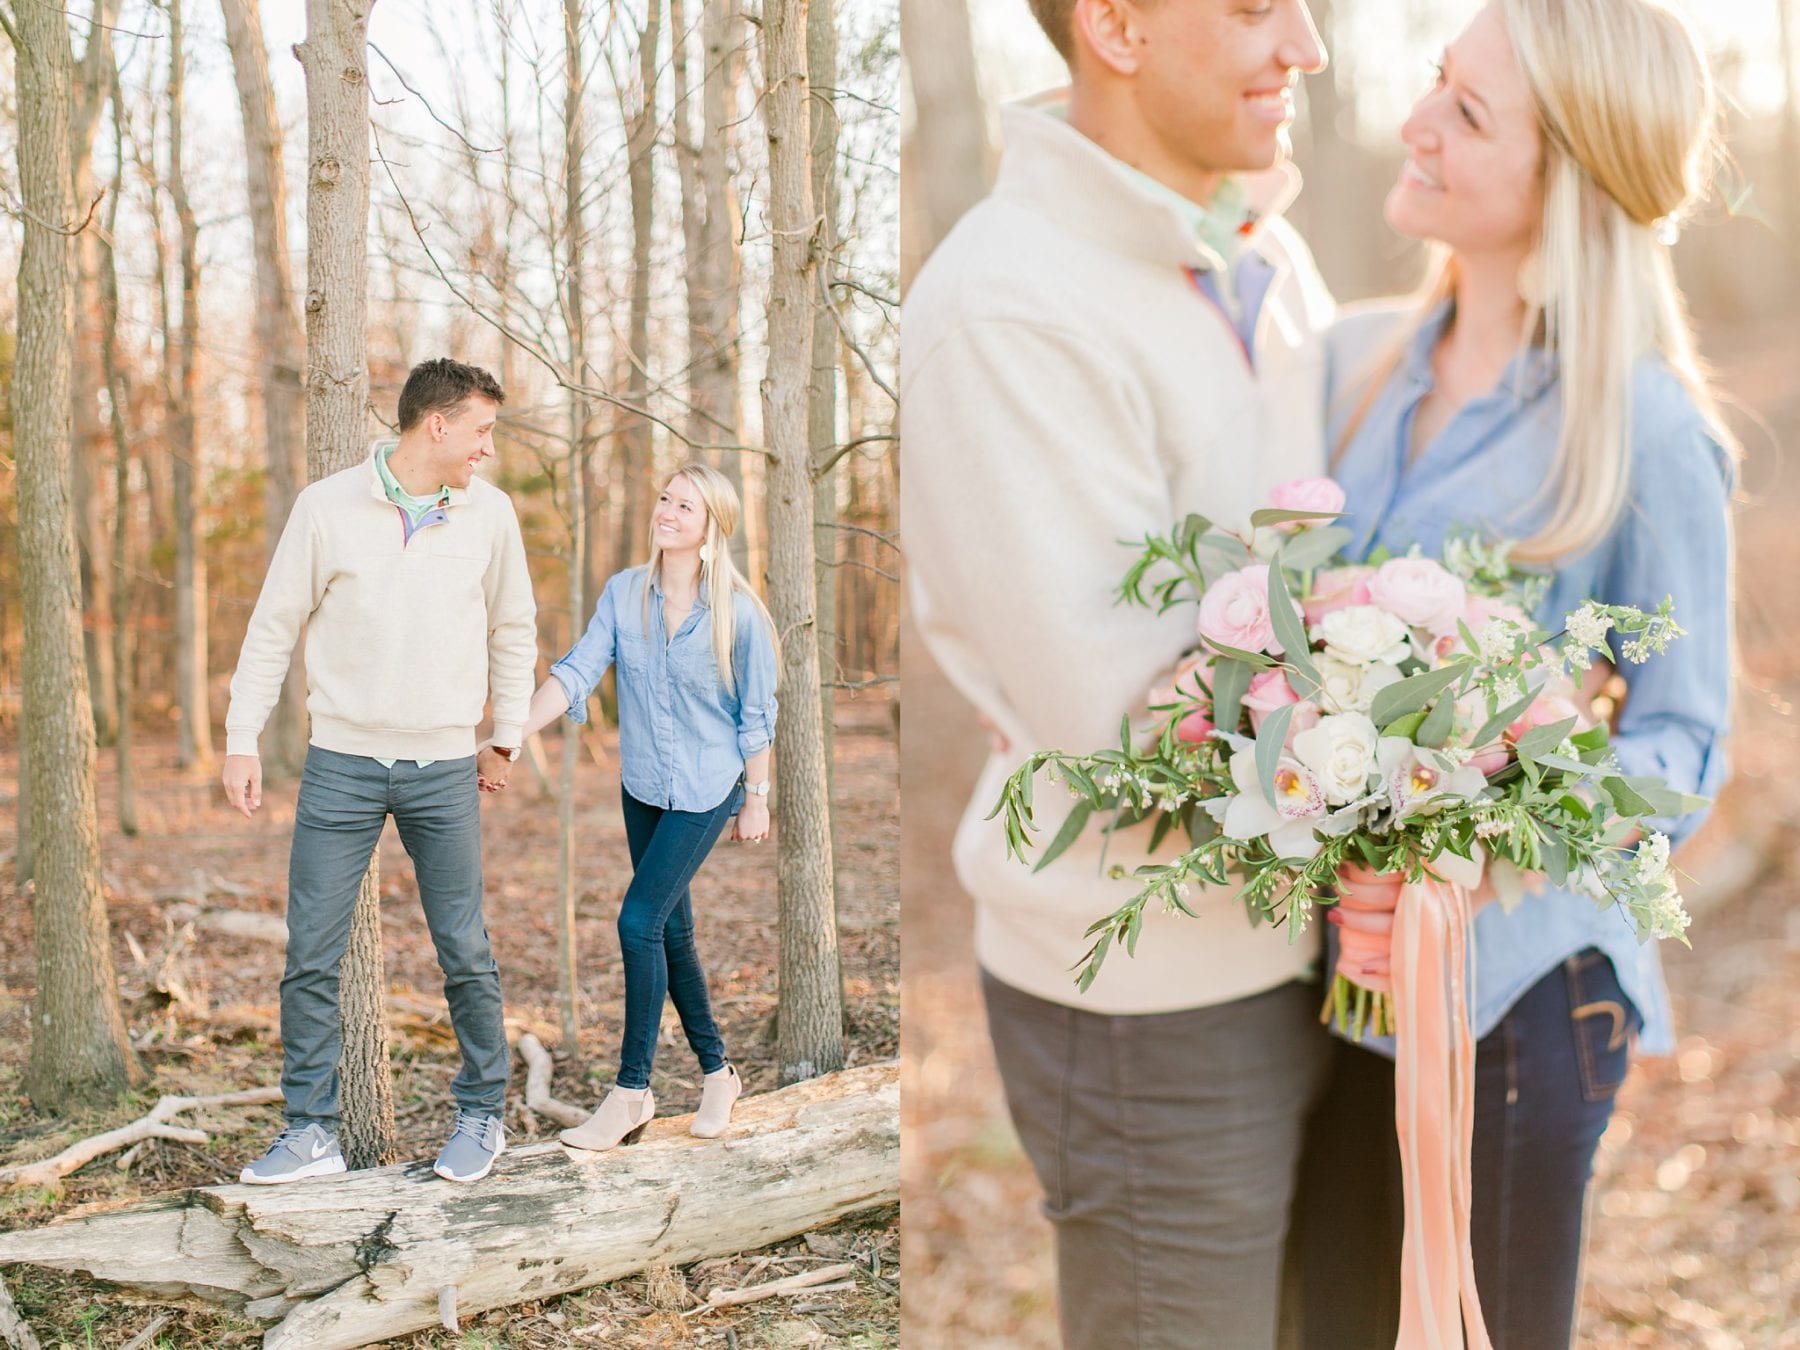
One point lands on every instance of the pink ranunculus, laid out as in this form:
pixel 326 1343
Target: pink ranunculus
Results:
pixel 1194 728
pixel 1337 589
pixel 1235 611
pixel 1323 495
pixel 1420 592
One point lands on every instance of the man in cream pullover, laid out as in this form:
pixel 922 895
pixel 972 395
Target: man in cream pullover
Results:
pixel 1122 333
pixel 408 574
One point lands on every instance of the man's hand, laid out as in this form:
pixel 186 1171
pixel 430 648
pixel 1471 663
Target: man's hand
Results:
pixel 752 824
pixel 243 783
pixel 491 769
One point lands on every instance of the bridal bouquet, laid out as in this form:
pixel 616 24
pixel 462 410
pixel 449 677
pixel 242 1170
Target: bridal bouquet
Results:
pixel 1403 714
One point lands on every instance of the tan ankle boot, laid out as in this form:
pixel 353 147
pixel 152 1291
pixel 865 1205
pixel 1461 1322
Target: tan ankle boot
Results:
pixel 718 1091
pixel 618 1121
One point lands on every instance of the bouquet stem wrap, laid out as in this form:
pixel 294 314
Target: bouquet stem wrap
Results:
pixel 1434 1110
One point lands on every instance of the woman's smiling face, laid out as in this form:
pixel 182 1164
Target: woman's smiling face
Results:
pixel 1473 173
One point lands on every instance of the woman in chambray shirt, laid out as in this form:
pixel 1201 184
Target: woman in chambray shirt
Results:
pixel 1553 182
pixel 696 685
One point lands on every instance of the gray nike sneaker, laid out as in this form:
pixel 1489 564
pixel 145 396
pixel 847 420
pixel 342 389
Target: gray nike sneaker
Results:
pixel 473 1145
pixel 299 1151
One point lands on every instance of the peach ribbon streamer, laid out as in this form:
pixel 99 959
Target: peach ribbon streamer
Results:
pixel 1434 1111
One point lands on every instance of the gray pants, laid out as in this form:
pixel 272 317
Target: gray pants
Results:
pixel 1167 1146
pixel 344 803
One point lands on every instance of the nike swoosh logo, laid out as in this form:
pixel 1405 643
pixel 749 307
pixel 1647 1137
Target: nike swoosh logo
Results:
pixel 319 1149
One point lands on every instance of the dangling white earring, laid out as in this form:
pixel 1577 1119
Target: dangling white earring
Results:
pixel 706 553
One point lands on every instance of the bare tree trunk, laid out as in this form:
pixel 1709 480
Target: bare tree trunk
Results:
pixel 821 400
pixel 117 397
pixel 93 79
pixel 714 271
pixel 948 162
pixel 634 436
pixel 194 749
pixel 811 1011
pixel 79 1050
pixel 579 451
pixel 335 58
pixel 278 340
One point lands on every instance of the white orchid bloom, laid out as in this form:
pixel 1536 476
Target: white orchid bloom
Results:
pixel 1288 822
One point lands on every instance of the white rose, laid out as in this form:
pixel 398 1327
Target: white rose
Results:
pixel 1362 635
pixel 1345 688
pixel 1340 751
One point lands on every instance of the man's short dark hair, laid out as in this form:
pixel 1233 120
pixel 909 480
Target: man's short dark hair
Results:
pixel 1057 19
pixel 443 386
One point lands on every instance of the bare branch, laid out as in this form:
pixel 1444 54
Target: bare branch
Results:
pixel 474 149
pixel 850 339
pixel 839 451
pixel 887 539
pixel 18 210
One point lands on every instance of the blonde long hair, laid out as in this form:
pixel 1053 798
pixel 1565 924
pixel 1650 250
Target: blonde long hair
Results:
pixel 1629 122
pixel 718 573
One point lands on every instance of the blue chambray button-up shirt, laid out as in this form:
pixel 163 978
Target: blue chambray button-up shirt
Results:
pixel 683 739
pixel 1485 472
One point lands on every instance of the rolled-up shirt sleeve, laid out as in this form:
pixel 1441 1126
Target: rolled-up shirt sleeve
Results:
pixel 753 661
pixel 582 667
pixel 1675 541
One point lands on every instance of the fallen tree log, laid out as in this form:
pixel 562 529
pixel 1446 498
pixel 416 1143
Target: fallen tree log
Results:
pixel 346 1261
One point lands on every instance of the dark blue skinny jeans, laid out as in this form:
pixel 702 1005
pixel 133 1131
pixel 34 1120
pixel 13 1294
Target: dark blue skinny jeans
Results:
pixel 1545 1080
pixel 656 933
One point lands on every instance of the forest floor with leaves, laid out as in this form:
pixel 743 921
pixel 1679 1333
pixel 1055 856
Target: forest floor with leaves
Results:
pixel 1695 1216
pixel 192 850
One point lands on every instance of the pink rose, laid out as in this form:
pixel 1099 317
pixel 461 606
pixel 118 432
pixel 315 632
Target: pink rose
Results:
pixel 1307 494
pixel 1234 612
pixel 1184 687
pixel 1546 709
pixel 1420 593
pixel 1194 728
pixel 1337 589
pixel 1268 691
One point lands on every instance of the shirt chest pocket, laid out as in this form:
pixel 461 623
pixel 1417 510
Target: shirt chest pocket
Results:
pixel 692 666
pixel 631 652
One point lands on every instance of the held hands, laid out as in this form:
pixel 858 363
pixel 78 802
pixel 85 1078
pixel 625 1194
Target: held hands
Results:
pixel 491 769
pixel 1364 918
pixel 752 823
pixel 243 783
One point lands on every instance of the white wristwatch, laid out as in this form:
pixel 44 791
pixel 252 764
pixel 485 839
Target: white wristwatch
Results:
pixel 757 789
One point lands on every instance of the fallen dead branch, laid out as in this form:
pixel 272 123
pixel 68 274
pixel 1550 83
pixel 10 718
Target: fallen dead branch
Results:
pixel 154 1125
pixel 538 1068
pixel 792 1284
pixel 350 1260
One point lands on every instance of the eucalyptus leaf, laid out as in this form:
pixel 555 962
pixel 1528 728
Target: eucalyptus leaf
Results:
pixel 1272 515
pixel 1503 719
pixel 1314 548
pixel 1545 739
pixel 1269 743
pixel 1257 661
pixel 1231 681
pixel 1436 727
pixel 1413 693
pixel 1290 630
